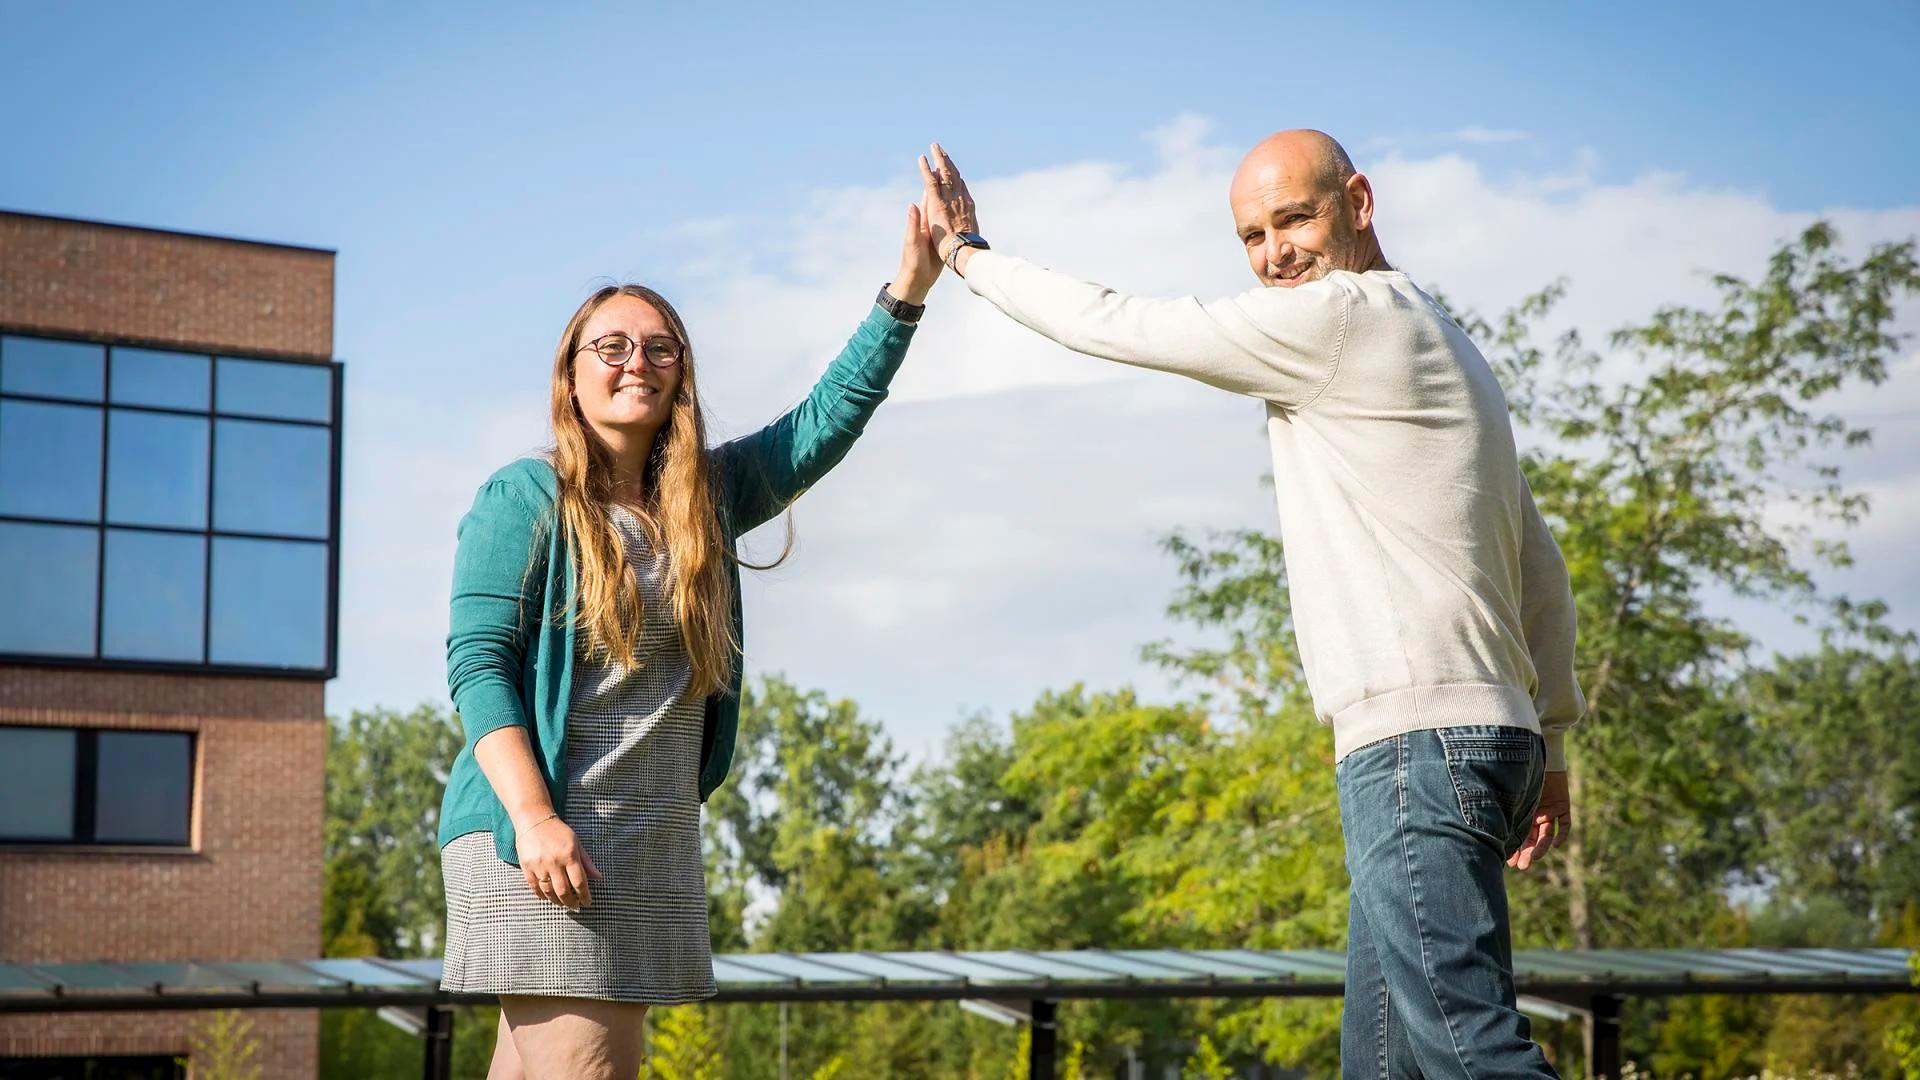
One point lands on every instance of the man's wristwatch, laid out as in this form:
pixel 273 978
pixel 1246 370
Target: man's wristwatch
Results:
pixel 898 308
pixel 964 239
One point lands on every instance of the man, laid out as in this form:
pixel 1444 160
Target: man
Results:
pixel 1433 611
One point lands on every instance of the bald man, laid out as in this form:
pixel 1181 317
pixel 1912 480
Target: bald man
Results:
pixel 1430 601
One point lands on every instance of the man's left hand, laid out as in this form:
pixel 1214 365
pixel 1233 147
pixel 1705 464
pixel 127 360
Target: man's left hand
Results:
pixel 1552 823
pixel 946 202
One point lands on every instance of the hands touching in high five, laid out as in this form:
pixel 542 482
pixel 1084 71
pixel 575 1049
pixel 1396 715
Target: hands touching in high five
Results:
pixel 947 207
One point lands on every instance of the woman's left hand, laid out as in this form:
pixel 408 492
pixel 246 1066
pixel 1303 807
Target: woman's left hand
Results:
pixel 919 262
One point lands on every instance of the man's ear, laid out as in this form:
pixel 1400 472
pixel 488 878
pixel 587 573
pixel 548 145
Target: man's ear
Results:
pixel 1359 194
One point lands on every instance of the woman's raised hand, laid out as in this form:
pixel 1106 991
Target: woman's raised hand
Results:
pixel 919 261
pixel 555 865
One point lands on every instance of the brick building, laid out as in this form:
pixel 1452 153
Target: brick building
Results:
pixel 169 527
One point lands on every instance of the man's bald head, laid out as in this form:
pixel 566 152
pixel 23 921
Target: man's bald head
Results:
pixel 1301 210
pixel 1303 153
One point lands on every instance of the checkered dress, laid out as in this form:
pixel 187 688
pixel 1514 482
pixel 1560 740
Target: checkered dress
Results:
pixel 633 798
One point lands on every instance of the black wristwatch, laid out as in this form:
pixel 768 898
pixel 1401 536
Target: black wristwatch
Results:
pixel 898 308
pixel 964 240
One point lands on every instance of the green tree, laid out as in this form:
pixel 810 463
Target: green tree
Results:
pixel 814 824
pixel 683 1043
pixel 222 1046
pixel 386 772
pixel 1903 1039
pixel 1668 484
pixel 1838 740
pixel 1206 1063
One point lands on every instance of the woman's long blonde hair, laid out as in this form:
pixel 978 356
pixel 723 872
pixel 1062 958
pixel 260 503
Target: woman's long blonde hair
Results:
pixel 678 513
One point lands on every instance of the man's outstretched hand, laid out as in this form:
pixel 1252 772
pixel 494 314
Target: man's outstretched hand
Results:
pixel 1552 823
pixel 946 205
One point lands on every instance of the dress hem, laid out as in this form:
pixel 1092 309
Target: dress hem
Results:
pixel 626 999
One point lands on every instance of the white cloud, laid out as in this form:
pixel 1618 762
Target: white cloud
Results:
pixel 1481 135
pixel 996 531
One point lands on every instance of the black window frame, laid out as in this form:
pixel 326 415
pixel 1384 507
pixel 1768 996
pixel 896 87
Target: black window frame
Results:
pixel 86 789
pixel 31 1067
pixel 207 532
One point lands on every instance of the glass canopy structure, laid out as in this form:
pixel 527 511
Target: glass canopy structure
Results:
pixel 1023 983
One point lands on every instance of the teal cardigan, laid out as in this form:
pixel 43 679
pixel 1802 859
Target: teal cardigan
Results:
pixel 507 666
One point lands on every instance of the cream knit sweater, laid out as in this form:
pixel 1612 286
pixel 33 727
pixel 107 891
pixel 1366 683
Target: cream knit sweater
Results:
pixel 1427 591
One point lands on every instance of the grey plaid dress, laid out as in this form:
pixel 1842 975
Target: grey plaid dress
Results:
pixel 633 797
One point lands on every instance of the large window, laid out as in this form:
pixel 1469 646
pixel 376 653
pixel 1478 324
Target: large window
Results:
pixel 95 786
pixel 167 509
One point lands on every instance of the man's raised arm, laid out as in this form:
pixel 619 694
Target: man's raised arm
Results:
pixel 1279 345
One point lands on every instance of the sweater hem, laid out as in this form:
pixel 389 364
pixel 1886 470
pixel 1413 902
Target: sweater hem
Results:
pixel 464 824
pixel 1425 708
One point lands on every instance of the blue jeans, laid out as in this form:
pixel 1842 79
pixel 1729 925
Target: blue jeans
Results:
pixel 1430 819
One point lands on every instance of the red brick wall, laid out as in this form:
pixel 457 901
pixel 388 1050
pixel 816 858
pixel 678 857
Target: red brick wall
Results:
pixel 289 1039
pixel 248 889
pixel 165 288
pixel 249 886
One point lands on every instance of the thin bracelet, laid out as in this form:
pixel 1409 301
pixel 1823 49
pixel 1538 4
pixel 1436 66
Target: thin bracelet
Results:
pixel 543 820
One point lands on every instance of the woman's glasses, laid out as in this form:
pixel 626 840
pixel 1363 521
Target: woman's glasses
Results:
pixel 616 349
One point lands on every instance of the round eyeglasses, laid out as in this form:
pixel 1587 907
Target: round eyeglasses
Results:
pixel 616 349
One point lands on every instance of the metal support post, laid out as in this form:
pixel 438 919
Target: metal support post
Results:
pixel 439 1039
pixel 1603 1037
pixel 1045 1034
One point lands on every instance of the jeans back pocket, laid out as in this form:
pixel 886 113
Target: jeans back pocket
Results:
pixel 1497 771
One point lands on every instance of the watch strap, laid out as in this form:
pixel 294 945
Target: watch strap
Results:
pixel 898 308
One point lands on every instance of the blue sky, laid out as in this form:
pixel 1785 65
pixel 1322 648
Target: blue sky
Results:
pixel 269 119
pixel 478 167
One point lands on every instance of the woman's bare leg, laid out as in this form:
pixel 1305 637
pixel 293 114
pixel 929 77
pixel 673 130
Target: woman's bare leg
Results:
pixel 560 1038
pixel 506 1060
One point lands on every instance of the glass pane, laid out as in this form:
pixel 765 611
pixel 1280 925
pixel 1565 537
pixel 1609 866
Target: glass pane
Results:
pixel 169 380
pixel 156 469
pixel 889 970
pixel 272 478
pixel 155 596
pixel 145 781
pixel 63 369
pixel 726 972
pixel 795 967
pixel 268 388
pixel 269 603
pixel 36 783
pixel 958 964
pixel 49 577
pixel 365 973
pixel 49 460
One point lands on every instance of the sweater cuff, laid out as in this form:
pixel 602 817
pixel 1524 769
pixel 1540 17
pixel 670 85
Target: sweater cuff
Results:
pixel 1556 750
pixel 981 266
pixel 487 708
pixel 882 321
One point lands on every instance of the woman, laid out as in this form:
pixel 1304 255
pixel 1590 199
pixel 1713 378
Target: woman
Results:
pixel 593 654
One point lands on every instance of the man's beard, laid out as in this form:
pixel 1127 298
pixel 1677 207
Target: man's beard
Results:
pixel 1342 254
pixel 1315 268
